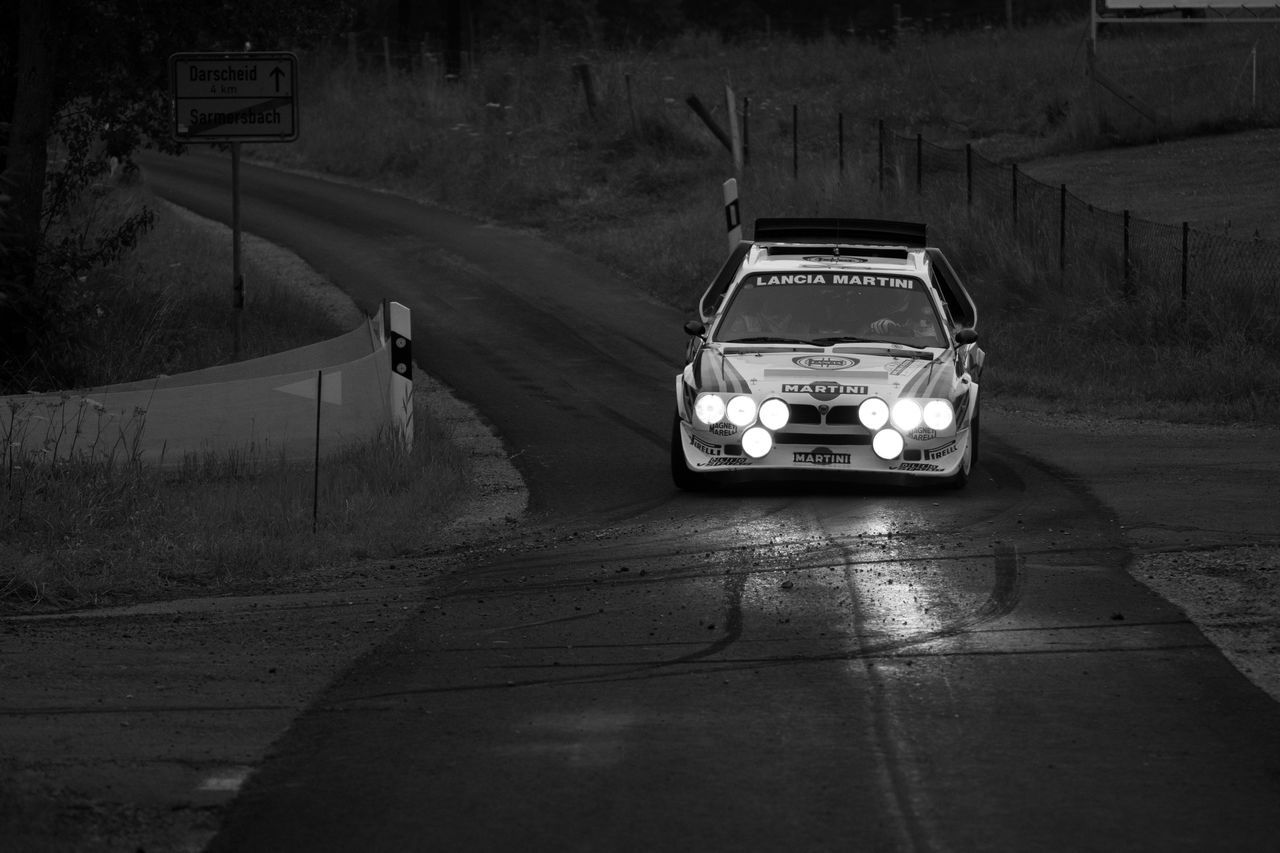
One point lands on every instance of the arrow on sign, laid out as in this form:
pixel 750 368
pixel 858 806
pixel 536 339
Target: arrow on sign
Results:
pixel 278 74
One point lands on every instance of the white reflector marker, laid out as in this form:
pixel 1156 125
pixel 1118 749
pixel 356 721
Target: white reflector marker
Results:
pixel 732 218
pixel 399 338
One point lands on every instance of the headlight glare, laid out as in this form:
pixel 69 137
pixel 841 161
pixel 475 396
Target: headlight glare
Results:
pixel 741 411
pixel 774 413
pixel 873 413
pixel 906 415
pixel 937 415
pixel 709 409
pixel 887 444
pixel 757 442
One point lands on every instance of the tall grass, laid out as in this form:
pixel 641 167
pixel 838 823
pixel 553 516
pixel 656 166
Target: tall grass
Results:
pixel 636 181
pixel 102 528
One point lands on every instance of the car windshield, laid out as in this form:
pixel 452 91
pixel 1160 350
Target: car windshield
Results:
pixel 827 307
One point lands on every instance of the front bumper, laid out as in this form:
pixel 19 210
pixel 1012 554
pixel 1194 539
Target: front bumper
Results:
pixel 802 452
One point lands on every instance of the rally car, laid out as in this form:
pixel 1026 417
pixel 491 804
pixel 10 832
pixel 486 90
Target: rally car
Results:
pixel 830 349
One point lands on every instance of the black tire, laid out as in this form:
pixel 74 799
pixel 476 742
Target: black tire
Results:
pixel 680 473
pixel 961 478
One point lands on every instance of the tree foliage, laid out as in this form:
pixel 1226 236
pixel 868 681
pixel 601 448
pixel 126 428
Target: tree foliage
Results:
pixel 83 85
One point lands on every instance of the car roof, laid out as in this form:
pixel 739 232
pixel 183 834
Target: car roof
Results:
pixel 775 257
pixel 870 245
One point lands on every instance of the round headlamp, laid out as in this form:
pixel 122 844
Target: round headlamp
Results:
pixel 873 413
pixel 938 414
pixel 757 442
pixel 774 413
pixel 741 411
pixel 709 409
pixel 887 444
pixel 906 415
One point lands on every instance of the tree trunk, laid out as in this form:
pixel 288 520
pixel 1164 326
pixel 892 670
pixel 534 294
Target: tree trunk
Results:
pixel 24 173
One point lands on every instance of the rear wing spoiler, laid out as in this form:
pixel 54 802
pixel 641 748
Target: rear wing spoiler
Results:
pixel 876 232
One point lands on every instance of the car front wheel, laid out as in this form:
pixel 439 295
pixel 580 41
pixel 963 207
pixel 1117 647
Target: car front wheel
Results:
pixel 680 473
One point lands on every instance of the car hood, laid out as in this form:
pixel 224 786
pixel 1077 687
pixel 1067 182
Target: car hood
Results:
pixel 823 374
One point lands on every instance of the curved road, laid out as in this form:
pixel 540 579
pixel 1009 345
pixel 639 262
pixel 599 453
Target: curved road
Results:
pixel 641 669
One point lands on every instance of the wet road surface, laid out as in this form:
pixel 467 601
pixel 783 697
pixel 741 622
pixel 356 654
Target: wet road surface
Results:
pixel 638 668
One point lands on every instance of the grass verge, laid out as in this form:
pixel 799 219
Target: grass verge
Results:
pixel 635 181
pixel 83 533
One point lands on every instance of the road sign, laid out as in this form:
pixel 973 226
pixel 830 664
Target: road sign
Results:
pixel 234 97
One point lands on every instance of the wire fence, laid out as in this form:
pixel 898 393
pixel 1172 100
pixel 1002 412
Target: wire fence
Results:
pixel 1197 268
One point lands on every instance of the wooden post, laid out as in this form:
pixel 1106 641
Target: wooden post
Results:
pixel 840 142
pixel 795 141
pixel 880 153
pixel 968 174
pixel 1128 282
pixel 919 163
pixel 735 137
pixel 583 72
pixel 1014 172
pixel 1185 254
pixel 701 112
pixel 237 280
pixel 1062 228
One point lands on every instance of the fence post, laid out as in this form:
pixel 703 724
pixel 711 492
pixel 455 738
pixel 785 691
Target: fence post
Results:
pixel 1014 172
pixel 968 174
pixel 880 153
pixel 1062 228
pixel 1185 254
pixel 795 141
pixel 919 163
pixel 746 135
pixel 582 71
pixel 1125 258
pixel 840 142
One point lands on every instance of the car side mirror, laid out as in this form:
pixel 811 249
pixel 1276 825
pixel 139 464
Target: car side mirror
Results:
pixel 965 336
pixel 695 327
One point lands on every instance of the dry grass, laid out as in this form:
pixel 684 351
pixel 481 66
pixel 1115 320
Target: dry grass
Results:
pixel 636 182
pixel 94 531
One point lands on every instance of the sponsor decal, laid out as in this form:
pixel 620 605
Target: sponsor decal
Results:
pixel 823 390
pixel 834 259
pixel 723 428
pixel 898 367
pixel 820 456
pixel 915 466
pixel 709 449
pixel 939 452
pixel 722 462
pixel 922 433
pixel 893 281
pixel 825 362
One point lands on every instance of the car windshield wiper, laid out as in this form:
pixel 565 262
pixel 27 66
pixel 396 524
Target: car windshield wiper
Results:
pixel 850 339
pixel 766 339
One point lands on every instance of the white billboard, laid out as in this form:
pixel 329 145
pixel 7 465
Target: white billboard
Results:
pixel 1179 5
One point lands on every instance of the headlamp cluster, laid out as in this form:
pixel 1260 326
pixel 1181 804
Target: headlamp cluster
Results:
pixel 887 424
pixel 758 423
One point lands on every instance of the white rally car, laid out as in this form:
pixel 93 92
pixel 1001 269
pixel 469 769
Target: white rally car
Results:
pixel 830 349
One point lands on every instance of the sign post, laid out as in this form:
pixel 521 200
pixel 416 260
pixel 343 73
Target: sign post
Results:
pixel 235 98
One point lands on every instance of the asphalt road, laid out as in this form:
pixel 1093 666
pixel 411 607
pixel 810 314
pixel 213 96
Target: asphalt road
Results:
pixel 638 669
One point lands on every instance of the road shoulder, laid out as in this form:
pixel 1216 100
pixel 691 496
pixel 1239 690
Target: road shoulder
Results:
pixel 1196 504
